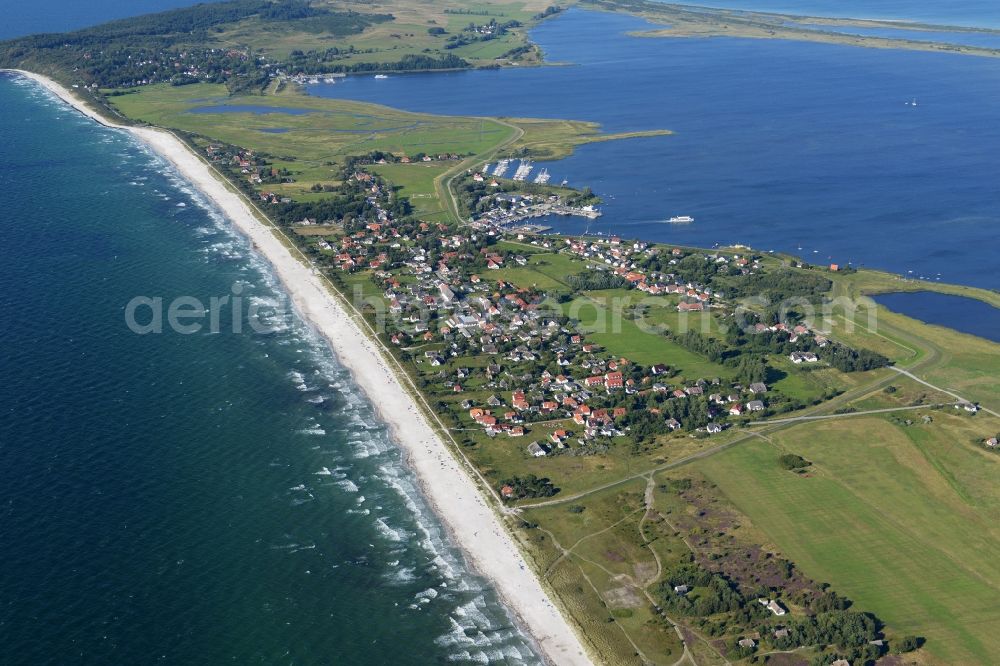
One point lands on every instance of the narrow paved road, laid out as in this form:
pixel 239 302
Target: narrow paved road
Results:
pixel 442 184
pixel 844 415
pixel 945 391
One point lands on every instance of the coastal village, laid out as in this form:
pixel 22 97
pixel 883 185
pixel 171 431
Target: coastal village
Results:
pixel 486 318
pixel 502 355
pixel 508 368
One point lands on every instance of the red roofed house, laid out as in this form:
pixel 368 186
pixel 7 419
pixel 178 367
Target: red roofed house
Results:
pixel 690 307
pixel 614 380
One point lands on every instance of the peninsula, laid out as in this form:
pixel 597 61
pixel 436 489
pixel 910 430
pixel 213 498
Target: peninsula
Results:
pixel 656 453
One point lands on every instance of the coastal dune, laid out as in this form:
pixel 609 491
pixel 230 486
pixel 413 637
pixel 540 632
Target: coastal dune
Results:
pixel 449 486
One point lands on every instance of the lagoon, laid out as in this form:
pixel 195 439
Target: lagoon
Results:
pixel 967 315
pixel 799 147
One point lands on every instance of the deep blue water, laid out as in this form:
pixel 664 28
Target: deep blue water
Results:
pixel 963 314
pixel 25 18
pixel 974 13
pixel 191 499
pixel 987 40
pixel 807 148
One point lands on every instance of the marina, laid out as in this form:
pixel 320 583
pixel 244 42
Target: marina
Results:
pixel 528 209
pixel 523 170
pixel 501 168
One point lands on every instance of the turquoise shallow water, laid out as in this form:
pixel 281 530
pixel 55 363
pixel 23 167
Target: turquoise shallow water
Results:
pixel 191 499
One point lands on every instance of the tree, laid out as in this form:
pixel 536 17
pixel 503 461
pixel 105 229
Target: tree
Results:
pixel 790 461
pixel 909 644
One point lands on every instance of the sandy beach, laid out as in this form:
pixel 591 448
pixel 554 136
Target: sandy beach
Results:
pixel 470 516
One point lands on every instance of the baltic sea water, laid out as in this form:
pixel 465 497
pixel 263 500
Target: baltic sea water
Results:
pixel 192 499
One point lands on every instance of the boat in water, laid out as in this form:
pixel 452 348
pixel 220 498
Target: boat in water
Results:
pixel 681 219
pixel 381 76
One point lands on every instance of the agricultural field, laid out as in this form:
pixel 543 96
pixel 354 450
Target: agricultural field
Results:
pixel 901 519
pixel 545 271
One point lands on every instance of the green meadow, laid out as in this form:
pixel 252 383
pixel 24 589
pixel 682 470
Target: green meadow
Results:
pixel 389 41
pixel 416 181
pixel 314 129
pixel 901 519
pixel 545 271
pixel 606 319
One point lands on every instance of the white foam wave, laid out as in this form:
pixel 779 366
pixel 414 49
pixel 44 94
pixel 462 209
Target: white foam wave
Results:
pixel 348 485
pixel 390 533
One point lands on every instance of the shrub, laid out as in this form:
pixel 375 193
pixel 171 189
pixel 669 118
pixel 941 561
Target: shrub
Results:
pixel 790 461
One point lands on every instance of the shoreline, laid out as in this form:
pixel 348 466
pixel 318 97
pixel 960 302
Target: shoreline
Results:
pixel 455 497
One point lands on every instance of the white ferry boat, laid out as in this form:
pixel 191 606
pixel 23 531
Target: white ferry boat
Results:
pixel 381 76
pixel 681 219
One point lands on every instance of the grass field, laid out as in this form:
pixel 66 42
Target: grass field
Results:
pixel 310 135
pixel 903 520
pixel 602 315
pixel 596 560
pixel 316 130
pixel 406 34
pixel 416 182
pixel 543 271
pixel 556 139
pixel 958 362
pixel 809 384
